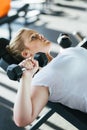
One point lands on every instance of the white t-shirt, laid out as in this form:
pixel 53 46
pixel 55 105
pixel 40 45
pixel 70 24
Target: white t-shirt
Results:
pixel 66 78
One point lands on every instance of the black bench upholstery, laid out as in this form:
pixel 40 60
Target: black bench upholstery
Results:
pixel 75 117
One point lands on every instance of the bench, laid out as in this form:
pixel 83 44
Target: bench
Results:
pixel 75 117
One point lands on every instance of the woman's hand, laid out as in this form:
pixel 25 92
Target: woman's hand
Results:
pixel 30 65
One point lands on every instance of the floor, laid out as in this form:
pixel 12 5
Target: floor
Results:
pixel 69 19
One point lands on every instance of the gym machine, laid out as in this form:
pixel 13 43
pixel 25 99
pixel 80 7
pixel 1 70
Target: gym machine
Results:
pixel 12 17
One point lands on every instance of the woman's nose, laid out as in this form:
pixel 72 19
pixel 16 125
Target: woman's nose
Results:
pixel 41 36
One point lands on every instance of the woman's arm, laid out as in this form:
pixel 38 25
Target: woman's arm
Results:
pixel 30 100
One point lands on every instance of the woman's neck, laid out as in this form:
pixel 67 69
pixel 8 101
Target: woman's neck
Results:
pixel 49 57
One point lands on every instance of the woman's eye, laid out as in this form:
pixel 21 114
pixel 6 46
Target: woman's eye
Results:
pixel 33 37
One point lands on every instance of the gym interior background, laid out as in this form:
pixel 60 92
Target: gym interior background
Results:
pixel 49 17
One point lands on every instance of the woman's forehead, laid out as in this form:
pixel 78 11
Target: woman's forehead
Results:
pixel 30 32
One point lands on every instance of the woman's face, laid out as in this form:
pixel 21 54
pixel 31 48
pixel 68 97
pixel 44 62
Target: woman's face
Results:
pixel 37 43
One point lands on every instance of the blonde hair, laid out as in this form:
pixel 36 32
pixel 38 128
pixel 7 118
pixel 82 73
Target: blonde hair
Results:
pixel 16 45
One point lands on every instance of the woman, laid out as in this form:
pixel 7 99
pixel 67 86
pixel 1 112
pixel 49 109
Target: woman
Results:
pixel 62 80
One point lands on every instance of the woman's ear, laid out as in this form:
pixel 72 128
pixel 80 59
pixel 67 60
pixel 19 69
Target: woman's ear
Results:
pixel 25 53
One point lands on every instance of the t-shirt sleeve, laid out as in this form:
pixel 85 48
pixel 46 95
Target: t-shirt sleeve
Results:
pixel 43 78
